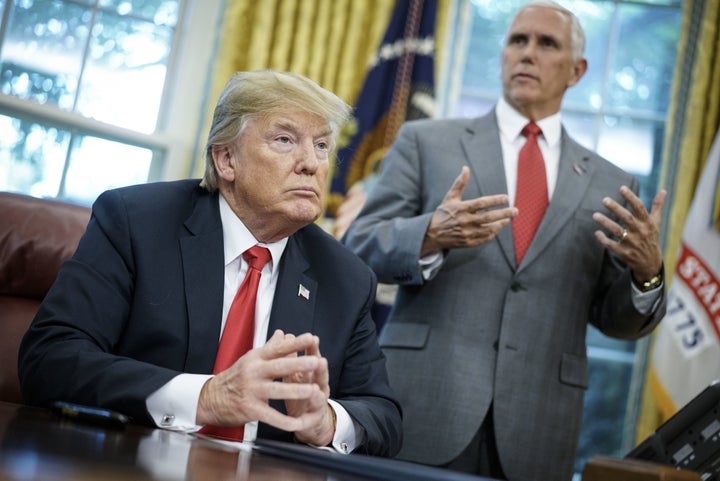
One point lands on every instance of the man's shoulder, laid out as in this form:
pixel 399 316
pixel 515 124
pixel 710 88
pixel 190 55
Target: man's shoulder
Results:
pixel 153 189
pixel 321 246
pixel 170 201
pixel 439 125
pixel 155 193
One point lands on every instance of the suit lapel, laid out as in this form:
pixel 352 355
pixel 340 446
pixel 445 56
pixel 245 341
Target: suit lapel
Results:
pixel 574 174
pixel 296 291
pixel 481 143
pixel 203 267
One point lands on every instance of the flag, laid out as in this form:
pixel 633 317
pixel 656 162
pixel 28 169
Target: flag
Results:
pixel 686 351
pixel 399 86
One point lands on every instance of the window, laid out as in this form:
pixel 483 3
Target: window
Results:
pixel 618 109
pixel 85 92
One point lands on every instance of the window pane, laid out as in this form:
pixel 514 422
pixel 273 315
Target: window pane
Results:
pixel 43 49
pixel 595 338
pixel 596 20
pixel 627 143
pixel 641 73
pixel 581 127
pixel 482 64
pixel 471 106
pixel 32 157
pixel 634 145
pixel 98 164
pixel 125 73
pixel 162 12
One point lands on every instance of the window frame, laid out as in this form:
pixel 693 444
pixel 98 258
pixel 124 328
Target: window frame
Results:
pixel 182 108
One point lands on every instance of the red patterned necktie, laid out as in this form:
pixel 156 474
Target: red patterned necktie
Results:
pixel 237 337
pixel 531 194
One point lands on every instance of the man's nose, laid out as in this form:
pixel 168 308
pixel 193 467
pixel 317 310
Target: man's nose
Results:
pixel 528 51
pixel 307 160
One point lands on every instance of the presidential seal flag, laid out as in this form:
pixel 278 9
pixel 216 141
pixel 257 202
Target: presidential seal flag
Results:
pixel 686 352
pixel 399 86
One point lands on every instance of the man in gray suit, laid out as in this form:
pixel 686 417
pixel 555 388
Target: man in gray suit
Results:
pixel 486 347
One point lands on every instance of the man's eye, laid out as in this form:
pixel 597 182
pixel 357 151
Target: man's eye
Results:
pixel 284 139
pixel 323 145
pixel 548 42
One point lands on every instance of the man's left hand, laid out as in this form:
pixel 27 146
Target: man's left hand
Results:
pixel 636 233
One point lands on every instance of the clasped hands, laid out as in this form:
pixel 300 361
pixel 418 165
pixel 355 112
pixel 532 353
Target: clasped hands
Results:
pixel 460 223
pixel 240 394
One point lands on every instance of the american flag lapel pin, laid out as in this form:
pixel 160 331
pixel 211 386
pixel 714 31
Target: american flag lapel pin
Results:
pixel 579 169
pixel 303 292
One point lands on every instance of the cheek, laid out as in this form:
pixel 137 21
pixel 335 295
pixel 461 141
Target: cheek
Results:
pixel 323 172
pixel 504 65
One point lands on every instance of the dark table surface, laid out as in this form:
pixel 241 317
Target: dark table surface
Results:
pixel 36 444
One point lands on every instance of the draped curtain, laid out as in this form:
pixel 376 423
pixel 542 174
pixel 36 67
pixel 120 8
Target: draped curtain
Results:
pixel 329 41
pixel 692 122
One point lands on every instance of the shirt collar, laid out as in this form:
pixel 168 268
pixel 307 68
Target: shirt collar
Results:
pixel 237 238
pixel 511 123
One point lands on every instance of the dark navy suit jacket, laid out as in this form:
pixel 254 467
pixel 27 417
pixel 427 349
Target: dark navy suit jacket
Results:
pixel 141 301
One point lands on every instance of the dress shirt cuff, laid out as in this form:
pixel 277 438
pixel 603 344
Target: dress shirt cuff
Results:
pixel 348 434
pixel 646 302
pixel 430 265
pixel 174 405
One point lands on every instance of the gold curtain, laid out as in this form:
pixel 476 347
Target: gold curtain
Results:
pixel 693 120
pixel 329 41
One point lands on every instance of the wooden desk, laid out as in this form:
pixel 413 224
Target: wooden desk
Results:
pixel 35 444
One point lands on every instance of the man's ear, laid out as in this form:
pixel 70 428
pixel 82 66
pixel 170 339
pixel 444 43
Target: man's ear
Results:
pixel 223 160
pixel 579 69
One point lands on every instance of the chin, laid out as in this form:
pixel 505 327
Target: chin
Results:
pixel 305 214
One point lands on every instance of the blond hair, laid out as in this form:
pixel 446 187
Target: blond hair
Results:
pixel 264 92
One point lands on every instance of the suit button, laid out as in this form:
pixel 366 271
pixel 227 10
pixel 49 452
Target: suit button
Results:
pixel 516 286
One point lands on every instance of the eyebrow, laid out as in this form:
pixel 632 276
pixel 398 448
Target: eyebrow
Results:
pixel 543 37
pixel 295 128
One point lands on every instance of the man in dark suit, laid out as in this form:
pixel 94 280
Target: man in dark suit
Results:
pixel 133 321
pixel 485 345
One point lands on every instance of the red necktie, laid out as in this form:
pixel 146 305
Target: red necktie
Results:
pixel 237 337
pixel 531 195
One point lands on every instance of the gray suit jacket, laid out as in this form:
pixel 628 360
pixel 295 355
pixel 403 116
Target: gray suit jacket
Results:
pixel 484 330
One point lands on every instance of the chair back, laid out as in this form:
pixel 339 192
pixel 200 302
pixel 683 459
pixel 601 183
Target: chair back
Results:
pixel 36 236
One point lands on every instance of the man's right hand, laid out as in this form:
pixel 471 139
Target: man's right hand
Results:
pixel 465 223
pixel 240 394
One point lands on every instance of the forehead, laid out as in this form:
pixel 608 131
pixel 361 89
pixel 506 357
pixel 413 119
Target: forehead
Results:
pixel 294 119
pixel 541 21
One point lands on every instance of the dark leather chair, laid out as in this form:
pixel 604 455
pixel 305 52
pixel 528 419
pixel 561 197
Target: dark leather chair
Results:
pixel 36 236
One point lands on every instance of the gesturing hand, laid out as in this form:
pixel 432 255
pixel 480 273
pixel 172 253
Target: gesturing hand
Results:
pixel 465 223
pixel 240 394
pixel 637 233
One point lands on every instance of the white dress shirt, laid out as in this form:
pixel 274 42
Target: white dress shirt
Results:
pixel 174 405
